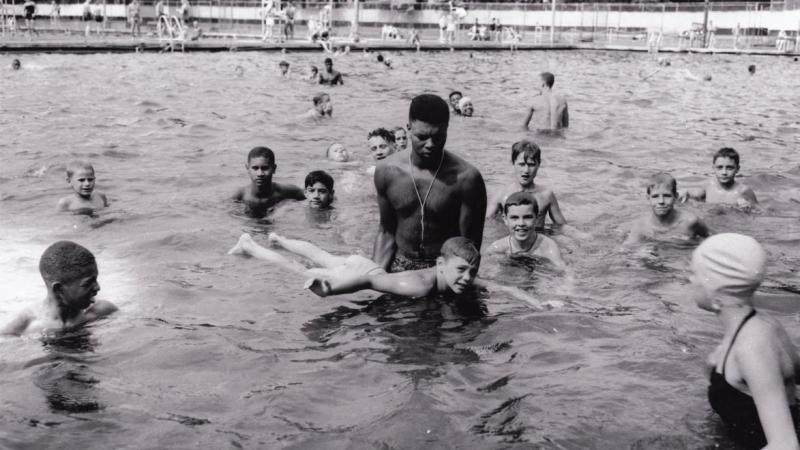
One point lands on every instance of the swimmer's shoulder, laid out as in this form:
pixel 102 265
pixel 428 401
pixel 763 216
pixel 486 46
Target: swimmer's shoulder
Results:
pixel 20 324
pixel 99 309
pixel 239 194
pixel 497 247
pixel 64 203
pixel 281 191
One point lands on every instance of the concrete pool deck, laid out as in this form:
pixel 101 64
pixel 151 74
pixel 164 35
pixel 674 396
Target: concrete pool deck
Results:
pixel 250 43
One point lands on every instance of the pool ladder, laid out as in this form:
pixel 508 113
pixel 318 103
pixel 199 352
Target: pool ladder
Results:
pixel 170 29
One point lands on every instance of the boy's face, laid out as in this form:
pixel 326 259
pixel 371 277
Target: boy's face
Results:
pixel 467 109
pixel 454 99
pixel 338 153
pixel 427 140
pixel 284 69
pixel 457 272
pixel 401 138
pixel 525 169
pixel 662 199
pixel 324 106
pixel 79 294
pixel 725 169
pixel 379 148
pixel 319 196
pixel 261 170
pixel 520 221
pixel 82 182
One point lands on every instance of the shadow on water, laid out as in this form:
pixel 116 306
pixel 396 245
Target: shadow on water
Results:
pixel 65 376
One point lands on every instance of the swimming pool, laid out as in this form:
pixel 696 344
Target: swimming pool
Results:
pixel 212 351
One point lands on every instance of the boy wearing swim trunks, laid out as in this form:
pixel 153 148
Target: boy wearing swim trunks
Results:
pixel 526 158
pixel 85 200
pixel 319 189
pixel 724 188
pixel 665 221
pixel 70 273
pixel 262 193
pixel 519 215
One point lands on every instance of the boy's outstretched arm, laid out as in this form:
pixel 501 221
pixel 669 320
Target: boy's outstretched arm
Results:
pixel 555 211
pixel 495 203
pixel 528 118
pixel 407 284
pixel 694 194
pixel 295 193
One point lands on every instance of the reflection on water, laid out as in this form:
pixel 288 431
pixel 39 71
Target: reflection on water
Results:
pixel 210 351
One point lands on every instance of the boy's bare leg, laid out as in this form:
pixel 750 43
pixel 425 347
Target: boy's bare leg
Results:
pixel 307 250
pixel 247 246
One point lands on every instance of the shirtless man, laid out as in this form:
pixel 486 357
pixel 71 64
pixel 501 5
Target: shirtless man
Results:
pixel 427 195
pixel 329 75
pixel 262 193
pixel 551 107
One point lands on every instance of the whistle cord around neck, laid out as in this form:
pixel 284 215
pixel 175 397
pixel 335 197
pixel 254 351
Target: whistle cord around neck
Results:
pixel 423 202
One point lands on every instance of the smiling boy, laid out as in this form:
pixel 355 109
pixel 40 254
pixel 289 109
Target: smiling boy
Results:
pixel 665 221
pixel 262 193
pixel 80 176
pixel 519 215
pixel 724 188
pixel 70 273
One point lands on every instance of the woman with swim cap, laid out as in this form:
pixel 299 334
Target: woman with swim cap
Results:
pixel 753 369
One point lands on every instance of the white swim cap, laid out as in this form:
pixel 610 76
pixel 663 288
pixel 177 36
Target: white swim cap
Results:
pixel 730 264
pixel 463 102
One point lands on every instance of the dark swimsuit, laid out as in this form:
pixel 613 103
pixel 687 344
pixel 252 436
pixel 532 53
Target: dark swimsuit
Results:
pixel 737 409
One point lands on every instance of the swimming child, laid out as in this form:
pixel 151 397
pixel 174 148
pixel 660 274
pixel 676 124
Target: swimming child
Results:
pixel 381 143
pixel 400 138
pixel 80 176
pixel 465 106
pixel 526 158
pixel 313 74
pixel 724 188
pixel 338 153
pixel 550 107
pixel 319 189
pixel 70 273
pixel 519 214
pixel 665 220
pixel 454 98
pixel 284 67
pixel 455 273
pixel 262 193
pixel 16 65
pixel 322 107
pixel 752 371
pixel 330 76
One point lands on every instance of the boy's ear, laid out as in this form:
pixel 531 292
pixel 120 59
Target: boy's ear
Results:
pixel 439 261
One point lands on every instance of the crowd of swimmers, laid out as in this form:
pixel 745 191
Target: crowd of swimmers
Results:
pixel 429 241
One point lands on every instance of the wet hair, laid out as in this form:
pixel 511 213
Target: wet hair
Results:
pixel 314 69
pixel 430 109
pixel 455 93
pixel 380 57
pixel 66 261
pixel 548 78
pixel 527 148
pixel 328 151
pixel 751 68
pixel 284 63
pixel 463 248
pixel 328 61
pixel 75 166
pixel 319 96
pixel 387 135
pixel 662 179
pixel 319 176
pixel 521 198
pixel 15 64
pixel 726 152
pixel 261 152
pixel 396 129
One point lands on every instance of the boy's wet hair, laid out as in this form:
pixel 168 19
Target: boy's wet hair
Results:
pixel 319 176
pixel 75 166
pixel 284 63
pixel 318 98
pixel 527 148
pixel 261 152
pixel 396 129
pixel 455 93
pixel 463 248
pixel 430 109
pixel 387 135
pixel 726 152
pixel 66 261
pixel 521 198
pixel 548 78
pixel 662 179
pixel 328 61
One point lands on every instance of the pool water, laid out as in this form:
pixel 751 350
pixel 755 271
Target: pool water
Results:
pixel 215 351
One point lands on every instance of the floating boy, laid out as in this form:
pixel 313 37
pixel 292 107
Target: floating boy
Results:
pixel 665 220
pixel 519 214
pixel 338 153
pixel 724 188
pixel 70 273
pixel 262 193
pixel 85 200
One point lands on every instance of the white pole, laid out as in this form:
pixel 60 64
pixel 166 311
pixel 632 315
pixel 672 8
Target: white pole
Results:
pixel 553 24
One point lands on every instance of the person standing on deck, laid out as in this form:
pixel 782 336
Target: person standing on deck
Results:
pixel 288 27
pixel 551 107
pixel 427 195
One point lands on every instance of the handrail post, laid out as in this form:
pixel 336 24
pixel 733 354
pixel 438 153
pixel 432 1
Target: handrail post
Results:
pixel 553 24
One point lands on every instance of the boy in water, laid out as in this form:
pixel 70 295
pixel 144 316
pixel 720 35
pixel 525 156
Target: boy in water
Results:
pixel 262 193
pixel 753 370
pixel 400 138
pixel 322 107
pixel 319 189
pixel 338 153
pixel 454 98
pixel 466 107
pixel 70 273
pixel 551 107
pixel 519 214
pixel 284 67
pixel 724 189
pixel 665 220
pixel 80 176
pixel 381 143
pixel 526 158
